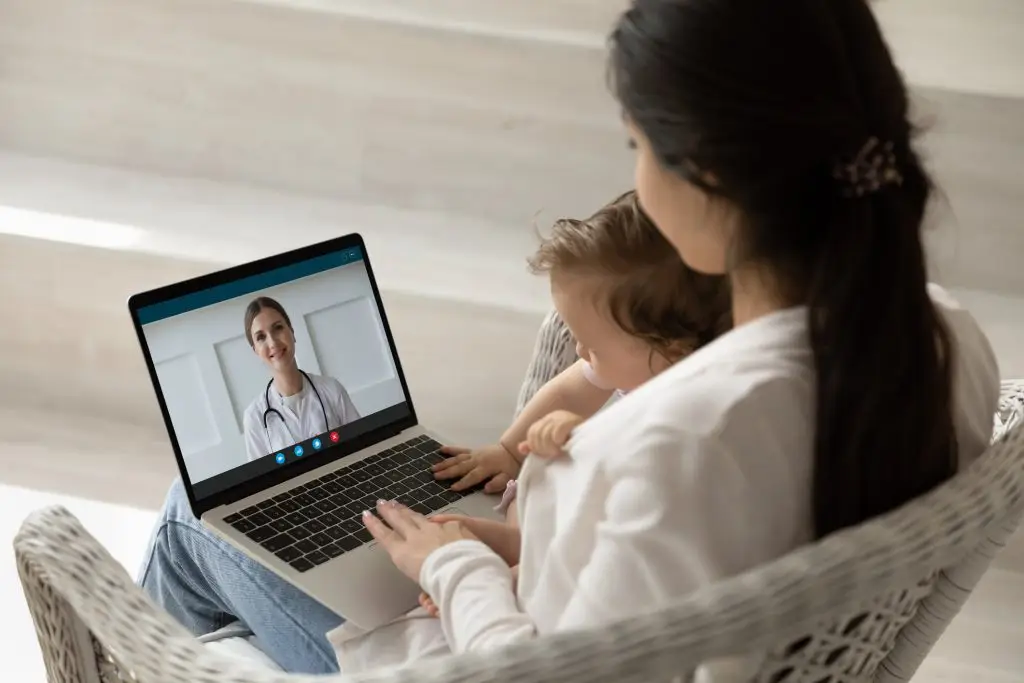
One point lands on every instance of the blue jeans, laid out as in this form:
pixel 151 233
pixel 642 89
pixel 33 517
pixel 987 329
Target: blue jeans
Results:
pixel 205 583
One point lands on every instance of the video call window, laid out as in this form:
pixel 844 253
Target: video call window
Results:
pixel 273 365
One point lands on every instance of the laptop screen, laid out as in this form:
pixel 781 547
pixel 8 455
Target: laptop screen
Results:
pixel 275 368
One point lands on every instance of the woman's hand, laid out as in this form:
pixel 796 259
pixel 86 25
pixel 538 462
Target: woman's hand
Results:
pixel 494 463
pixel 411 536
pixel 547 436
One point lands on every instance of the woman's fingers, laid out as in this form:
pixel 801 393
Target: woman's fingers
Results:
pixel 454 450
pixel 380 531
pixel 400 518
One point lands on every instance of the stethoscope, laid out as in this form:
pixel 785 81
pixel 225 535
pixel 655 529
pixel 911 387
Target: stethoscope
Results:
pixel 275 411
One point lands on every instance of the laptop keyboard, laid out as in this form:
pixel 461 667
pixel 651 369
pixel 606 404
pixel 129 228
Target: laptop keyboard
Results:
pixel 322 519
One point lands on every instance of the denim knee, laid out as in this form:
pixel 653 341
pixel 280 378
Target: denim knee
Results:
pixel 176 505
pixel 175 511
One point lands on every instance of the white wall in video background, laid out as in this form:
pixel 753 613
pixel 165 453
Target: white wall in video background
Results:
pixel 209 374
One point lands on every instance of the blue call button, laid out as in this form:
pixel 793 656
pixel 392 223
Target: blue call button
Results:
pixel 279 458
pixel 298 451
pixel 316 444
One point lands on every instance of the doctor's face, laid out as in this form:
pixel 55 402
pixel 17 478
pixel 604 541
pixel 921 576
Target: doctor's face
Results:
pixel 273 340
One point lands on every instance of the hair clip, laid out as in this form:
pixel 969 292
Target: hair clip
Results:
pixel 873 168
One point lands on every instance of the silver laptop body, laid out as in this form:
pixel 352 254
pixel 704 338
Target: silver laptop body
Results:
pixel 297 508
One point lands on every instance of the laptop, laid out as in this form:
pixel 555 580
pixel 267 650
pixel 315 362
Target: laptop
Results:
pixel 297 507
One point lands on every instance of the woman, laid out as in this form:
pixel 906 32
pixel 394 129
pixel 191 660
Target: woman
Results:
pixel 773 146
pixel 295 405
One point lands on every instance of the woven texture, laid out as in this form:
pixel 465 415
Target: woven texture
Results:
pixel 554 352
pixel 862 605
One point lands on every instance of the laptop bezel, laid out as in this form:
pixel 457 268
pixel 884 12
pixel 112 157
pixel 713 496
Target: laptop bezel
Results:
pixel 300 467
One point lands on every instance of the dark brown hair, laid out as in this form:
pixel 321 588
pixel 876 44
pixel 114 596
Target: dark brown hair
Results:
pixel 255 307
pixel 756 103
pixel 651 293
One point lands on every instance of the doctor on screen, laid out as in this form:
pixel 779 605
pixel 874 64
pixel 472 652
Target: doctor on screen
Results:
pixel 295 405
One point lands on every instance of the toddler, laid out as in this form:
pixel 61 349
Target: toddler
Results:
pixel 633 307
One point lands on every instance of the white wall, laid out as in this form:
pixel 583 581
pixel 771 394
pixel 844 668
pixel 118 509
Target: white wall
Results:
pixel 209 374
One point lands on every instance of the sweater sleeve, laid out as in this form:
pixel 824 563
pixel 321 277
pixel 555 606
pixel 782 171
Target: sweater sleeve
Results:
pixel 473 589
pixel 665 531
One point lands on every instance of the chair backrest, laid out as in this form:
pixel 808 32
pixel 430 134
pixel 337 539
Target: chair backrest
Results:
pixel 953 585
pixel 80 597
pixel 888 639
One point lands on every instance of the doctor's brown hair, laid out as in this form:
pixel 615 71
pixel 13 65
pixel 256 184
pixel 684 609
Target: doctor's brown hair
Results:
pixel 650 293
pixel 255 307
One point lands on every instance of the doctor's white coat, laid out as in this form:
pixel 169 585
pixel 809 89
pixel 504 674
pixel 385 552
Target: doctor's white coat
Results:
pixel 302 415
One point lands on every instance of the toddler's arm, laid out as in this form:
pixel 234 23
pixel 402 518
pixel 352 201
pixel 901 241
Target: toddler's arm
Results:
pixel 569 392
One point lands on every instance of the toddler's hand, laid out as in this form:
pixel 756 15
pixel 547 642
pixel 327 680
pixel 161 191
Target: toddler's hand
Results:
pixel 548 435
pixel 472 467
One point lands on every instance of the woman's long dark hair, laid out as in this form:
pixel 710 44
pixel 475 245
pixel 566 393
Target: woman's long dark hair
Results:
pixel 756 101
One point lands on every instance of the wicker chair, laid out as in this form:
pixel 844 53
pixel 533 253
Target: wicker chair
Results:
pixel 862 605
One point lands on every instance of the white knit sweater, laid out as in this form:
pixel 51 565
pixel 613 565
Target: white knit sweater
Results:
pixel 700 474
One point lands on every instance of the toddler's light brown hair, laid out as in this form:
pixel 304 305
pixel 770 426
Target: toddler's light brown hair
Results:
pixel 650 293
